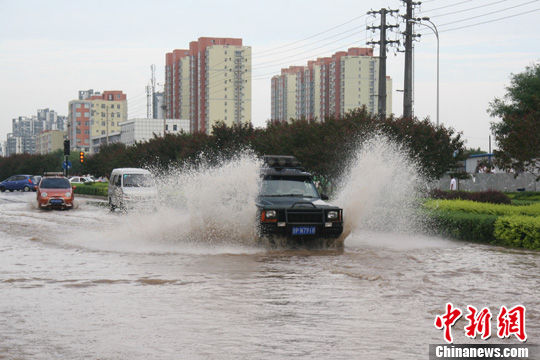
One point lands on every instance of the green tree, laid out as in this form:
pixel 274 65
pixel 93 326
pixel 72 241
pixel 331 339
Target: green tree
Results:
pixel 518 133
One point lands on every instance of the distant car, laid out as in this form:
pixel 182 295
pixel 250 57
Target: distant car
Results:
pixel 131 188
pixel 80 179
pixel 18 182
pixel 55 192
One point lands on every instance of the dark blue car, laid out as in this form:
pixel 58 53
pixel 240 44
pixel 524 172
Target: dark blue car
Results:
pixel 18 182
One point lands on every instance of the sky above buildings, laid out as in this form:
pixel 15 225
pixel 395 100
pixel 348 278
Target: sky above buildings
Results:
pixel 51 49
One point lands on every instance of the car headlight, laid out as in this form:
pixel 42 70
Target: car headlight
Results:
pixel 332 215
pixel 68 195
pixel 270 214
pixel 43 194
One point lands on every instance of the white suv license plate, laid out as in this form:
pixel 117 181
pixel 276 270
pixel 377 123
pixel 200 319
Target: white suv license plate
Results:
pixel 303 230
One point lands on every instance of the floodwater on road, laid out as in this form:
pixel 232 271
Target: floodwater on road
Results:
pixel 90 284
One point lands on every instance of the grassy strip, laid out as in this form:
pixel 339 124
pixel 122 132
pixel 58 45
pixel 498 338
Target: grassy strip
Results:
pixel 465 225
pixel 99 189
pixel 483 208
pixel 518 231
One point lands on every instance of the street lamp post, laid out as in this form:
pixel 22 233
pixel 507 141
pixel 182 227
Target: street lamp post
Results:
pixel 436 32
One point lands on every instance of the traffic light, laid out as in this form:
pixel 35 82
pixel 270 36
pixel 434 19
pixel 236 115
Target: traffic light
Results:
pixel 81 157
pixel 66 147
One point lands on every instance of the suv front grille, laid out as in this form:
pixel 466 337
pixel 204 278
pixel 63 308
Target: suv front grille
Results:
pixel 303 217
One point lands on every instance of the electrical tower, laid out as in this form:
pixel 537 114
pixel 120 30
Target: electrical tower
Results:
pixel 383 42
pixel 408 78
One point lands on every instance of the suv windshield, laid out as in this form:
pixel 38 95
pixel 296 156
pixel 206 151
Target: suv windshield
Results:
pixel 55 183
pixel 288 186
pixel 138 180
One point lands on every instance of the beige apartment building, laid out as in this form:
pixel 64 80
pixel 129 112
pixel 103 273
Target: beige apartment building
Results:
pixel 108 110
pixel 49 141
pixel 209 83
pixel 330 86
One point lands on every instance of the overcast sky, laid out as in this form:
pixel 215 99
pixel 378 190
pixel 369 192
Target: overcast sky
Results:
pixel 51 49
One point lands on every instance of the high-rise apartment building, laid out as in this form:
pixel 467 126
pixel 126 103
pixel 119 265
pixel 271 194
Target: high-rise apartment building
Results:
pixel 208 83
pixel 79 124
pixel 329 86
pixel 50 120
pixel 95 115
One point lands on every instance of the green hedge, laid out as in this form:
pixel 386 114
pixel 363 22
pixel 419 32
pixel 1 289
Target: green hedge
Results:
pixel 518 231
pixel 483 208
pixel 99 189
pixel 465 225
pixel 524 195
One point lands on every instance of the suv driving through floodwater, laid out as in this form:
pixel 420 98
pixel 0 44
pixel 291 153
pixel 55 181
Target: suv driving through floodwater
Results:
pixel 290 205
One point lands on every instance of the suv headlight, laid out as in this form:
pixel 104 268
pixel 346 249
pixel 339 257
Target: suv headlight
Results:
pixel 332 215
pixel 68 195
pixel 43 194
pixel 270 214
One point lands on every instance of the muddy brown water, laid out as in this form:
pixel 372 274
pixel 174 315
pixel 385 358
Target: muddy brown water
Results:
pixel 88 284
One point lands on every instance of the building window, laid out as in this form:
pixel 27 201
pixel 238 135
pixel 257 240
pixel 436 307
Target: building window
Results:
pixel 175 127
pixel 117 114
pixel 103 106
pixel 78 106
pixel 102 114
pixel 166 127
pixel 103 123
pixel 102 132
pixel 112 114
pixel 118 106
pixel 78 114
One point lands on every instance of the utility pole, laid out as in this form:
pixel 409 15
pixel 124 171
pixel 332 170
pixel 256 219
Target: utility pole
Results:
pixel 382 55
pixel 107 108
pixel 153 85
pixel 409 35
pixel 148 102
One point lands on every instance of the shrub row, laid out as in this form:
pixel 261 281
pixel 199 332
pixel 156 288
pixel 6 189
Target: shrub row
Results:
pixel 465 225
pixel 99 189
pixel 483 208
pixel 524 195
pixel 490 196
pixel 518 231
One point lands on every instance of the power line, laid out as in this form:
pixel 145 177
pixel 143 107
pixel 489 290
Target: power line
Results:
pixel 473 8
pixel 318 40
pixel 447 6
pixel 492 20
pixel 489 13
pixel 487 21
pixel 314 35
pixel 304 52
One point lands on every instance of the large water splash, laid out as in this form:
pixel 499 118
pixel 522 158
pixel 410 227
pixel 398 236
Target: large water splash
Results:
pixel 213 203
pixel 219 200
pixel 378 190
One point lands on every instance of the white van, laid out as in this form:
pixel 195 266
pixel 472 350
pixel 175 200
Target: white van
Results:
pixel 132 188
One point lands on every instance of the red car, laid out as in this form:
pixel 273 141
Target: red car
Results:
pixel 55 192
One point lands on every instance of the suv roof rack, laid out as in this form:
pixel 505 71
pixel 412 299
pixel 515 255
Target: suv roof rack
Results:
pixel 281 161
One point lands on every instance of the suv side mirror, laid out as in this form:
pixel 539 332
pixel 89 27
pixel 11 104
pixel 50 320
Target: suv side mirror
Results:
pixel 324 197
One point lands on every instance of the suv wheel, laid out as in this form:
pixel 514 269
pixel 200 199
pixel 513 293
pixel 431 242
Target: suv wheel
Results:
pixel 26 189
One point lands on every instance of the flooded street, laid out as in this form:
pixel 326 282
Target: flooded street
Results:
pixel 90 284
